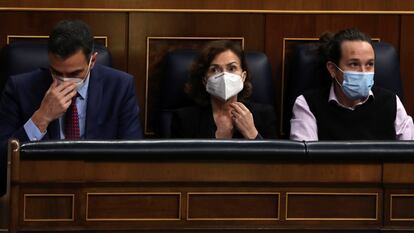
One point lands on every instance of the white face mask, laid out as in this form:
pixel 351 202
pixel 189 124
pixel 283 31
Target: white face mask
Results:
pixel 224 85
pixel 78 81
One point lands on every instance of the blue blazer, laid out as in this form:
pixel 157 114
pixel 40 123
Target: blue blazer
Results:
pixel 112 109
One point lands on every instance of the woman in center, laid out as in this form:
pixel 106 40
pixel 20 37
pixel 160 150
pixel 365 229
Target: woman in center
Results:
pixel 220 86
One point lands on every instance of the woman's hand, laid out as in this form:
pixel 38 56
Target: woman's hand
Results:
pixel 243 120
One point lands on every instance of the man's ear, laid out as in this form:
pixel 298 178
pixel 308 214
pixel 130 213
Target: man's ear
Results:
pixel 331 68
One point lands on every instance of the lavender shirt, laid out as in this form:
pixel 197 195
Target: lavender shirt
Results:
pixel 303 125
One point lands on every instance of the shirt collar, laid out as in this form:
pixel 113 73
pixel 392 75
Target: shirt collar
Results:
pixel 332 97
pixel 83 91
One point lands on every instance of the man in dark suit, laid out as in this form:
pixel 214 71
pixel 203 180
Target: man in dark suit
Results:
pixel 74 99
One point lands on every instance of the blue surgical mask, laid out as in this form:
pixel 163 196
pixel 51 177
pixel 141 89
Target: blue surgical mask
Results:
pixel 356 85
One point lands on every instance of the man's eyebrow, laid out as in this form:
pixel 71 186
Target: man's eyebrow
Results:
pixel 76 71
pixel 359 61
pixel 73 72
pixel 53 70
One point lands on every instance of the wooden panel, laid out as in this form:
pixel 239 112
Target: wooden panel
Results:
pixel 247 26
pixel 199 171
pixel 132 206
pixel 102 40
pixel 61 172
pixel 399 173
pixel 385 5
pixel 233 206
pixel 406 61
pixel 332 206
pixel 385 27
pixel 402 207
pixel 399 205
pixel 234 172
pixel 223 195
pixel 41 23
pixel 4 211
pixel 48 207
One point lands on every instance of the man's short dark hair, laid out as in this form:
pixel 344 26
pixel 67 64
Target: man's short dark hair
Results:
pixel 68 36
pixel 332 42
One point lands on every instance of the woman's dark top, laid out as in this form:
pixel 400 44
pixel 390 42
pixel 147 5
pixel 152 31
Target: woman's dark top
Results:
pixel 198 122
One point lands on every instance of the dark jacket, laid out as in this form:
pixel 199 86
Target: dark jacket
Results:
pixel 198 122
pixel 112 109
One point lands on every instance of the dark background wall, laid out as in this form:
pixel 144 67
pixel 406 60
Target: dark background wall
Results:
pixel 139 32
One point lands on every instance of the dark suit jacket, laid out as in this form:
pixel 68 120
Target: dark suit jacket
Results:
pixel 112 109
pixel 198 122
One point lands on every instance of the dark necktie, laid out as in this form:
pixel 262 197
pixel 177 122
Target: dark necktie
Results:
pixel 72 121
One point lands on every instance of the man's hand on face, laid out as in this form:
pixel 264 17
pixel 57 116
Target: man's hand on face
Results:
pixel 54 104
